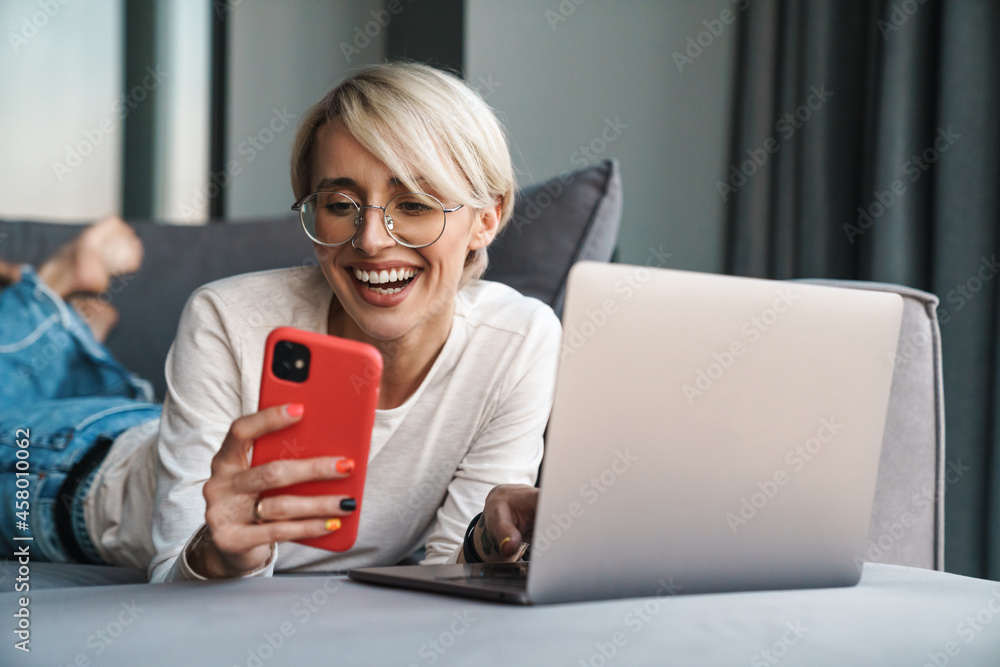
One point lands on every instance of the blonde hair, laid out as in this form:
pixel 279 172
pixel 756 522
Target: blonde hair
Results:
pixel 418 120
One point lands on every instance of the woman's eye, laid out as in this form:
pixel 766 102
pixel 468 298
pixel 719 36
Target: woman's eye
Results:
pixel 340 209
pixel 414 208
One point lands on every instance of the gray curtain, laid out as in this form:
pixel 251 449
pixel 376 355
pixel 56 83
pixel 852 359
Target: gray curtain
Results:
pixel 866 146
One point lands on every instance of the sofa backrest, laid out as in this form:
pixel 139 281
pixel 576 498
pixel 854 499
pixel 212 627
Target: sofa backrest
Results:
pixel 907 524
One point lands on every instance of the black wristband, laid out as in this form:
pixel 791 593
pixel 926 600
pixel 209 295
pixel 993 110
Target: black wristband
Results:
pixel 469 546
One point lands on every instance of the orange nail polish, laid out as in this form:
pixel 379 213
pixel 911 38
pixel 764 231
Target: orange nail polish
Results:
pixel 345 466
pixel 295 409
pixel 333 524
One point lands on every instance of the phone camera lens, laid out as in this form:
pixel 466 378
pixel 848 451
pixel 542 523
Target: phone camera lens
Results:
pixel 291 361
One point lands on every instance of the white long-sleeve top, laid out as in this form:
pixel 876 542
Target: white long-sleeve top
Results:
pixel 476 421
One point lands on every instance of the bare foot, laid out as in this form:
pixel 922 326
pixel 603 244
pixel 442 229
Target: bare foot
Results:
pixel 9 273
pixel 107 248
pixel 99 315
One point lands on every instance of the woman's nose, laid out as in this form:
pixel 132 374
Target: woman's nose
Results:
pixel 372 235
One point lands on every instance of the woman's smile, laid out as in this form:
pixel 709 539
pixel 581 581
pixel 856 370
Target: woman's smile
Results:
pixel 383 284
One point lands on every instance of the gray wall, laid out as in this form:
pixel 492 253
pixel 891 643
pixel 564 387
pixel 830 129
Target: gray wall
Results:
pixel 559 69
pixel 556 70
pixel 285 56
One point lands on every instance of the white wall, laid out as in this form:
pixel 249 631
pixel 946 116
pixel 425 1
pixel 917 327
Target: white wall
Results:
pixel 182 140
pixel 61 80
pixel 562 68
pixel 284 57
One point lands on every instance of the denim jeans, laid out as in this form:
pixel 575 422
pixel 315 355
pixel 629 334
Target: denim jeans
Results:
pixel 63 399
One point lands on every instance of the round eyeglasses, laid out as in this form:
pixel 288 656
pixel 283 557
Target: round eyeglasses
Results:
pixel 412 219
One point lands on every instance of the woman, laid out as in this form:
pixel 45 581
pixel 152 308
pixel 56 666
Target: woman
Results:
pixel 469 365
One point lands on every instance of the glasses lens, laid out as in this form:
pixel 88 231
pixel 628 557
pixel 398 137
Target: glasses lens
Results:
pixel 415 219
pixel 329 217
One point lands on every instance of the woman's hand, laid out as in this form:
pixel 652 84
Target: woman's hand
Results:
pixel 504 530
pixel 241 526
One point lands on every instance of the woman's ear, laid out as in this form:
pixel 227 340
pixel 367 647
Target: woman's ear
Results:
pixel 485 225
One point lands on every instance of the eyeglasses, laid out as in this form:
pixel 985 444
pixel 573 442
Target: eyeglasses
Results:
pixel 413 219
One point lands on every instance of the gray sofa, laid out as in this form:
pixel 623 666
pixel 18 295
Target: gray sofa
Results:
pixel 571 217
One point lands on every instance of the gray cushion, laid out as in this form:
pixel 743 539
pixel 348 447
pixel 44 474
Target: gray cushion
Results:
pixel 68 575
pixel 894 616
pixel 907 525
pixel 572 217
pixel 554 224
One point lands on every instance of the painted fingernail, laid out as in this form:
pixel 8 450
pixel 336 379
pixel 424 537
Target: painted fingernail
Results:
pixel 295 409
pixel 333 524
pixel 348 504
pixel 504 541
pixel 345 466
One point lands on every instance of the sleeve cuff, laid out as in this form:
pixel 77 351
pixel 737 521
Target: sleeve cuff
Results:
pixel 184 571
pixel 453 558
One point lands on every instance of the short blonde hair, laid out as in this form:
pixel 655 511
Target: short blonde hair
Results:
pixel 418 120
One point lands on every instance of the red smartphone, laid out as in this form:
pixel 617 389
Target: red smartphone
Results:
pixel 337 380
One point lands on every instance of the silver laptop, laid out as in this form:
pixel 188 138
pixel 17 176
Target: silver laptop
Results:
pixel 709 433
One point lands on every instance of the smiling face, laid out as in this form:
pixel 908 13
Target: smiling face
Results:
pixel 418 300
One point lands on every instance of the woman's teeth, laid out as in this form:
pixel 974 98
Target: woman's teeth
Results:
pixel 374 278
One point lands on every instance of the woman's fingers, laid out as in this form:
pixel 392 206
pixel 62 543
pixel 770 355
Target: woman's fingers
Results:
pixel 277 474
pixel 509 516
pixel 503 531
pixel 246 429
pixel 280 531
pixel 281 508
